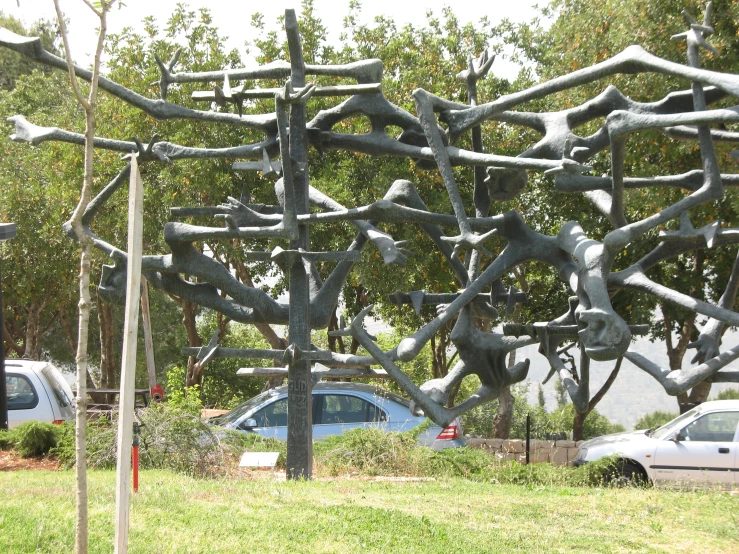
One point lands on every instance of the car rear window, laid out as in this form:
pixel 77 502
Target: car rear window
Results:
pixel 21 393
pixel 56 387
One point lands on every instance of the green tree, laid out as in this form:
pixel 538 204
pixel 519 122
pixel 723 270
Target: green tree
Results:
pixel 653 420
pixel 728 394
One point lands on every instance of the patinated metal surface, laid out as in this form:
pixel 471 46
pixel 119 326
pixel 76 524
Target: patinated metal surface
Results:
pixel 586 265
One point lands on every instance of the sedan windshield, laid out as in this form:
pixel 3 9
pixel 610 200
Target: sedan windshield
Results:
pixel 670 426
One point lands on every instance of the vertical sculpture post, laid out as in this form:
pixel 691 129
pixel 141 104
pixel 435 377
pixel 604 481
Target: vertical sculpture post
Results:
pixel 128 363
pixel 299 416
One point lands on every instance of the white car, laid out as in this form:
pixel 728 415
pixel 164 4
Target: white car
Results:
pixel 36 390
pixel 698 448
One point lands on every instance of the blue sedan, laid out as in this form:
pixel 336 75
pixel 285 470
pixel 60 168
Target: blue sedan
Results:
pixel 339 406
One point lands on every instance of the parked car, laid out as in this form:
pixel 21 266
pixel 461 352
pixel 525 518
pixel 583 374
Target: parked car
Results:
pixel 697 448
pixel 336 408
pixel 36 390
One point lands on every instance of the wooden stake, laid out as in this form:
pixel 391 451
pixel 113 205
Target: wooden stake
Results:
pixel 148 341
pixel 128 363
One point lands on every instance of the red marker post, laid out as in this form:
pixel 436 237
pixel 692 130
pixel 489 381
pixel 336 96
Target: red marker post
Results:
pixel 135 457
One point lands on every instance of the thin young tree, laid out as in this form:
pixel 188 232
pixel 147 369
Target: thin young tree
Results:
pixel 85 241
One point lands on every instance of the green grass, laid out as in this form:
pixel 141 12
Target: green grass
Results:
pixel 177 514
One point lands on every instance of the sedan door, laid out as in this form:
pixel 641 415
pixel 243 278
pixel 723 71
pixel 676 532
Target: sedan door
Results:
pixel 338 412
pixel 271 420
pixel 704 453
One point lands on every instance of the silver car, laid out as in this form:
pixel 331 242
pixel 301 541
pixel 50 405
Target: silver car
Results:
pixel 699 448
pixel 336 408
pixel 36 391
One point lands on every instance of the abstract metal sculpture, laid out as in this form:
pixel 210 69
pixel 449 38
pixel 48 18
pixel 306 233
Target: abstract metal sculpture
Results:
pixel 584 264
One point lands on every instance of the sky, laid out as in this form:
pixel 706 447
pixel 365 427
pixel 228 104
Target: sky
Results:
pixel 233 18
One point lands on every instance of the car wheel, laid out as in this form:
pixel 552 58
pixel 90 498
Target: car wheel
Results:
pixel 628 474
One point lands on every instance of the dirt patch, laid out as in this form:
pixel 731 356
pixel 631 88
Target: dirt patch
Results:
pixel 10 461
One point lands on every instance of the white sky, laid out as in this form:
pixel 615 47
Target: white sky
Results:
pixel 233 18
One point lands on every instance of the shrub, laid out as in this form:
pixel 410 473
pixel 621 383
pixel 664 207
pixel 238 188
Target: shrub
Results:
pixel 6 440
pixel 34 438
pixel 369 451
pixel 64 449
pixel 376 452
pixel 172 437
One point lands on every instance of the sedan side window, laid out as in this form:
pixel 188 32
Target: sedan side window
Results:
pixel 274 415
pixel 715 427
pixel 21 393
pixel 343 408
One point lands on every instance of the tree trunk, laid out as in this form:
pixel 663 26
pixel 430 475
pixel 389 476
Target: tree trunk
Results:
pixel 578 425
pixel 68 330
pixel 275 341
pixel 503 419
pixel 32 347
pixel 194 371
pixel 88 104
pixel 108 366
pixel 578 421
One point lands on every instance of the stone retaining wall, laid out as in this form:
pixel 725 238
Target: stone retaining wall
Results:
pixel 559 452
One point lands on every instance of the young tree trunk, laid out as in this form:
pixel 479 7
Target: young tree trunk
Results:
pixel 88 104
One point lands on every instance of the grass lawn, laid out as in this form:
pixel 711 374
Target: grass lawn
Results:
pixel 177 514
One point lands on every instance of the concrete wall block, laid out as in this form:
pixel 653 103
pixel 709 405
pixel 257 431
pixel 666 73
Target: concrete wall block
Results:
pixel 560 457
pixel 495 444
pixel 514 446
pixel 566 444
pixel 539 456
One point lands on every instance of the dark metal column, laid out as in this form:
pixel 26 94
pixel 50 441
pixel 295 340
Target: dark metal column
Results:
pixel 299 416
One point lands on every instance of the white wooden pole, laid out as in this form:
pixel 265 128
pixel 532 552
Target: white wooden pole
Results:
pixel 148 340
pixel 128 363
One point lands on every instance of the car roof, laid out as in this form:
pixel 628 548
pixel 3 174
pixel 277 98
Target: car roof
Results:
pixel 719 405
pixel 334 385
pixel 15 364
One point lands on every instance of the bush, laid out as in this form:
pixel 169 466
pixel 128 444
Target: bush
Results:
pixel 654 420
pixel 64 449
pixel 370 451
pixel 6 440
pixel 728 394
pixel 375 452
pixel 34 438
pixel 172 437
